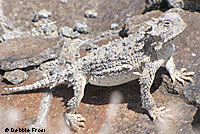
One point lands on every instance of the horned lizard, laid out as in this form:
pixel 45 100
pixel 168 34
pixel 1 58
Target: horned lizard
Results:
pixel 139 55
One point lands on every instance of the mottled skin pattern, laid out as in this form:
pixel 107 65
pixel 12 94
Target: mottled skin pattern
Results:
pixel 139 55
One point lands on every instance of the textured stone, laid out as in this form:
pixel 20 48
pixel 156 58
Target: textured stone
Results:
pixel 156 4
pixel 7 30
pixel 193 5
pixel 81 27
pixel 176 3
pixel 21 53
pixel 190 45
pixel 44 28
pixel 63 1
pixel 1 78
pixel 68 32
pixel 109 11
pixel 90 14
pixel 42 14
pixel 114 26
pixel 16 76
pixel 132 24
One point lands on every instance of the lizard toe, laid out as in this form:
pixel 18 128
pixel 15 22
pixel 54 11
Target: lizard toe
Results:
pixel 182 76
pixel 160 113
pixel 75 121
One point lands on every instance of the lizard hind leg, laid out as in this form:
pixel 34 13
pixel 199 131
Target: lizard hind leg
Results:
pixel 73 120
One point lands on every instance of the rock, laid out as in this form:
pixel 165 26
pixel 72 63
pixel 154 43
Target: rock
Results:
pixel 132 24
pixel 11 35
pixel 128 15
pixel 1 30
pixel 114 26
pixel 1 78
pixel 176 3
pixel 49 30
pixel 156 4
pixel 193 5
pixel 90 14
pixel 8 32
pixel 185 49
pixel 81 27
pixel 15 77
pixel 44 28
pixel 64 1
pixel 42 14
pixel 68 32
pixel 21 53
pixel 68 13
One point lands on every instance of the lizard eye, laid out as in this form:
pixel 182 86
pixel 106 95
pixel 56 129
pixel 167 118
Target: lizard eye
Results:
pixel 167 23
pixel 149 29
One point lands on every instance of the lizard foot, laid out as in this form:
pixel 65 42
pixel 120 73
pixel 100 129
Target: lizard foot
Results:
pixel 183 76
pixel 159 113
pixel 74 121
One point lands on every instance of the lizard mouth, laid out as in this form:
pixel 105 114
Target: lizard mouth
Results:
pixel 170 40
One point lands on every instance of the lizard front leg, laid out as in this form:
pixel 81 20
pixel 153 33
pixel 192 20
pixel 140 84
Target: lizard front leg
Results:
pixel 72 119
pixel 146 79
pixel 181 75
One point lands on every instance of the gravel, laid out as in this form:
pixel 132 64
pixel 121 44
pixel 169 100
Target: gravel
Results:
pixel 114 26
pixel 81 27
pixel 64 1
pixel 68 32
pixel 42 14
pixel 90 14
pixel 45 27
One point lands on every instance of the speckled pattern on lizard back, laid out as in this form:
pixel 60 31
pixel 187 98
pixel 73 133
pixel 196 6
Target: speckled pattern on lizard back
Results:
pixel 139 55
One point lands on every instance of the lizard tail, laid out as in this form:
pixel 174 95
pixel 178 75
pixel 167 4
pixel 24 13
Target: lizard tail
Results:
pixel 63 75
pixel 35 85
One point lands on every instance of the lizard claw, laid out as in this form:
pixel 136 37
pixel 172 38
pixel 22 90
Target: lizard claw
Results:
pixel 183 76
pixel 159 113
pixel 74 121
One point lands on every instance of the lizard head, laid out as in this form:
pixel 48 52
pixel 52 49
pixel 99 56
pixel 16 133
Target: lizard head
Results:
pixel 167 26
